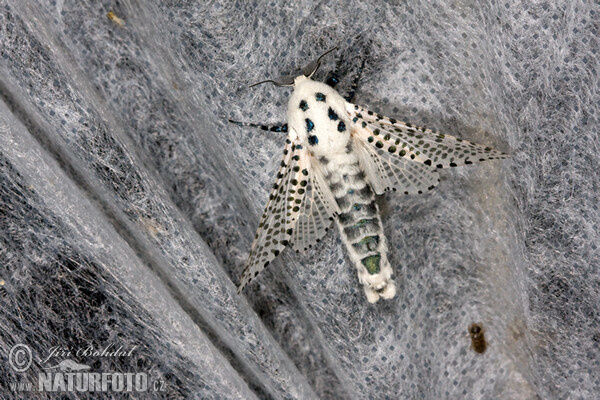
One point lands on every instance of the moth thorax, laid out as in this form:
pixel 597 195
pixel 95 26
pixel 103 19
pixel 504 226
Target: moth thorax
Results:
pixel 317 114
pixel 330 143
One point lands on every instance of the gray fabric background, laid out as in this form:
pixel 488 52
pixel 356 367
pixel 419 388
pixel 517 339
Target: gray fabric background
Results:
pixel 128 204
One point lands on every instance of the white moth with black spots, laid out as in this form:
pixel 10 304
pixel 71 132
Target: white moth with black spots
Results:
pixel 337 157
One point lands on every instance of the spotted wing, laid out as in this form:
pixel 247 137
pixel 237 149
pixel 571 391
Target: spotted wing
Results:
pixel 281 213
pixel 387 172
pixel 316 212
pixel 403 140
pixel 384 169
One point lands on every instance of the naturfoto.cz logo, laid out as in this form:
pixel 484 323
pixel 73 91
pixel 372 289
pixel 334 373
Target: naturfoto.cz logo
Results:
pixel 70 376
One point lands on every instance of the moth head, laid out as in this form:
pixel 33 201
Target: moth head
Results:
pixel 307 72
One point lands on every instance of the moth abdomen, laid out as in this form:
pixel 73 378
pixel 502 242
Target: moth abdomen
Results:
pixel 367 244
pixel 372 263
pixel 360 224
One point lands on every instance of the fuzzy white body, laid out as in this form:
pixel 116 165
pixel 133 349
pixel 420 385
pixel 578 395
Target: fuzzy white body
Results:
pixel 333 155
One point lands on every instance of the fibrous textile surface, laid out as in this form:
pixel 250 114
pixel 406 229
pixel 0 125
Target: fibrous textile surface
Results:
pixel 128 202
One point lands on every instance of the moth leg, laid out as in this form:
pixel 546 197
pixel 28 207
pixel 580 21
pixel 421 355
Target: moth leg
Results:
pixel 352 92
pixel 333 78
pixel 365 43
pixel 273 127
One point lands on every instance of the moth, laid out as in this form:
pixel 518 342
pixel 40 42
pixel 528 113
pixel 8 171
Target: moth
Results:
pixel 338 156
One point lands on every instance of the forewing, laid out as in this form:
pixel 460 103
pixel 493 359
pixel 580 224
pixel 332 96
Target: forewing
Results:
pixel 281 213
pixel 419 144
pixel 316 213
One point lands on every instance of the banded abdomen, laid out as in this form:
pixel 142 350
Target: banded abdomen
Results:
pixel 359 223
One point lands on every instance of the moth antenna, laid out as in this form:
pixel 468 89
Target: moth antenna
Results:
pixel 260 83
pixel 311 68
pixel 308 71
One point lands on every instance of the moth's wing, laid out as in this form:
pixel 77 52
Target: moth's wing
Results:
pixel 316 212
pixel 401 139
pixel 385 170
pixel 281 213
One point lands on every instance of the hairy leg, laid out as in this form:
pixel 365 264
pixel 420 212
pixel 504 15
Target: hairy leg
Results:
pixel 333 78
pixel 352 92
